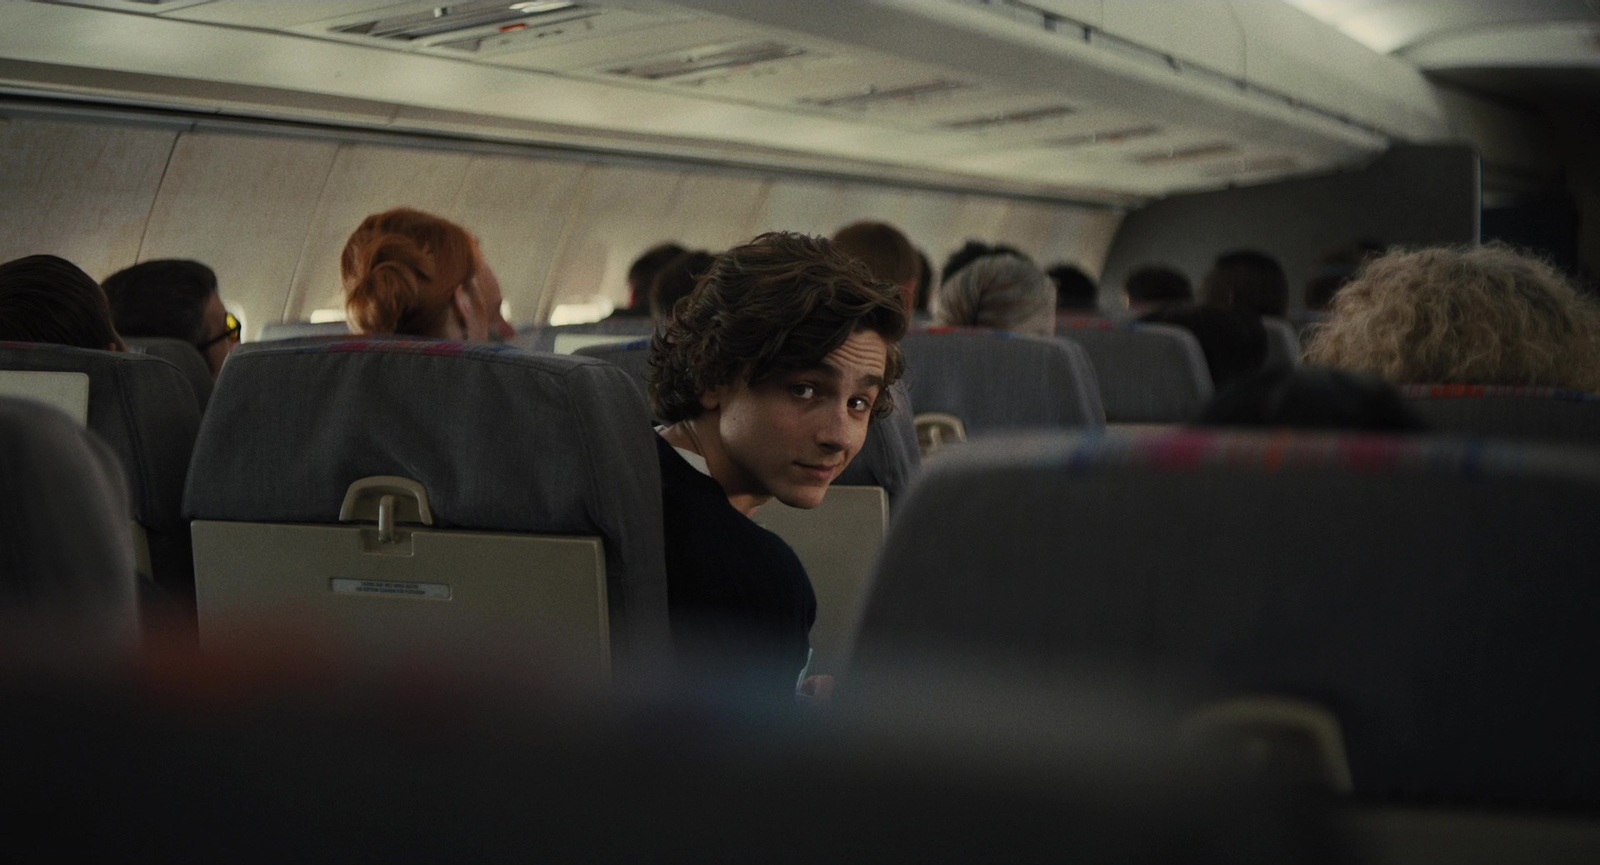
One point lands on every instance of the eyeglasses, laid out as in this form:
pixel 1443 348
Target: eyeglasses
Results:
pixel 231 333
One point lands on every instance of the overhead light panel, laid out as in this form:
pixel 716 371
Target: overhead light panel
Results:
pixel 1011 118
pixel 707 58
pixel 481 18
pixel 1186 154
pixel 873 95
pixel 1107 136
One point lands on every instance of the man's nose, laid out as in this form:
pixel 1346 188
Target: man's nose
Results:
pixel 833 434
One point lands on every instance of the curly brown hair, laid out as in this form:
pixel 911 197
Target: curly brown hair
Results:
pixel 780 303
pixel 1473 315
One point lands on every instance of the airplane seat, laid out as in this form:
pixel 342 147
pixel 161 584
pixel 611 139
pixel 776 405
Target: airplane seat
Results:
pixel 389 496
pixel 837 541
pixel 181 355
pixel 1549 415
pixel 1436 596
pixel 993 380
pixel 631 356
pixel 67 551
pixel 1148 373
pixel 567 338
pixel 145 410
pixel 279 330
pixel 1283 341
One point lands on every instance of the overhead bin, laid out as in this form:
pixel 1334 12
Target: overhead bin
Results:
pixel 1062 99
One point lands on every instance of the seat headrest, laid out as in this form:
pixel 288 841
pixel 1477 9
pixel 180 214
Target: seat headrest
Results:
pixel 1434 593
pixel 996 380
pixel 501 440
pixel 142 407
pixel 69 549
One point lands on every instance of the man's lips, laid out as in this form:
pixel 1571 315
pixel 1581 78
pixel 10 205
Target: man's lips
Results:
pixel 820 471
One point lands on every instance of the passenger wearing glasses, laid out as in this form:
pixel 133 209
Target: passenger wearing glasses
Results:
pixel 177 299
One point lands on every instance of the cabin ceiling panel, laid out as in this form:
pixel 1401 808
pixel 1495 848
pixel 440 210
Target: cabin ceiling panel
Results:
pixel 366 179
pixel 518 209
pixel 79 191
pixel 239 204
pixel 714 211
pixel 1398 25
pixel 840 83
pixel 806 206
pixel 615 214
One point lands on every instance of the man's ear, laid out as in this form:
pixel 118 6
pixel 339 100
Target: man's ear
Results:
pixel 711 400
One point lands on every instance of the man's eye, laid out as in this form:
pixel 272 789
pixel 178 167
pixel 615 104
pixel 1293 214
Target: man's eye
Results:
pixel 860 403
pixel 803 391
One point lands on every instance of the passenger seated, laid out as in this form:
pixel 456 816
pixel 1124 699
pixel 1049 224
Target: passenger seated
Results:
pixel 676 281
pixel 1234 342
pixel 1155 287
pixel 1312 398
pixel 1334 270
pixel 412 273
pixel 642 274
pixel 1249 281
pixel 44 298
pixel 767 378
pixel 1466 315
pixel 177 299
pixel 888 255
pixel 919 309
pixel 1076 292
pixel 999 292
pixel 971 251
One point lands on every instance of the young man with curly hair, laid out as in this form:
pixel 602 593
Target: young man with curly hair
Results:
pixel 766 377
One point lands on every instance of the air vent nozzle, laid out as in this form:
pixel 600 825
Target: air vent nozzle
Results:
pixel 707 58
pixel 1010 118
pixel 873 95
pixel 481 17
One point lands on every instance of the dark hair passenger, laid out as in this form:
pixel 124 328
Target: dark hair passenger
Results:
pixel 1249 281
pixel 44 298
pixel 888 255
pixel 1075 290
pixel 767 377
pixel 676 281
pixel 1234 342
pixel 642 275
pixel 177 299
pixel 1312 398
pixel 1154 286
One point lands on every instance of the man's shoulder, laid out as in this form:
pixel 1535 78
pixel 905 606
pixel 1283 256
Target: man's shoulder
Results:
pixel 698 515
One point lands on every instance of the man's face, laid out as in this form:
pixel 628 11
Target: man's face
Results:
pixel 222 342
pixel 790 436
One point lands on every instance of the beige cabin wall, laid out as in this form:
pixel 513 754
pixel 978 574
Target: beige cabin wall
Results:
pixel 270 212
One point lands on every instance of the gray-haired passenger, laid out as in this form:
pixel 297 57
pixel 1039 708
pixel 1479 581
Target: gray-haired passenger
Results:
pixel 1000 292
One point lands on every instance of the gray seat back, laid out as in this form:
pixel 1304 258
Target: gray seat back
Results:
pixel 567 338
pixel 500 441
pixel 181 355
pixel 1283 341
pixel 144 409
pixel 995 381
pixel 298 329
pixel 1437 596
pixel 1148 373
pixel 1532 413
pixel 66 549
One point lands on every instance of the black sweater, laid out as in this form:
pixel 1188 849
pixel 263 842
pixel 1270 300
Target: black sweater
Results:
pixel 740 602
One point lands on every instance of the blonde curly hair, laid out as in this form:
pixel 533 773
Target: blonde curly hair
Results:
pixel 1473 315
